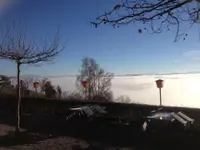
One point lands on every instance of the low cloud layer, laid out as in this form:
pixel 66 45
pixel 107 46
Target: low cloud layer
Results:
pixel 178 90
pixel 192 55
pixel 189 56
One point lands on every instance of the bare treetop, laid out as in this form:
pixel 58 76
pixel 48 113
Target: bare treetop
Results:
pixel 156 14
pixel 18 48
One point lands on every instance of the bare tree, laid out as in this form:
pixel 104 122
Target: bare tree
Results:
pixel 43 84
pixel 123 99
pixel 16 47
pixel 47 87
pixel 156 15
pixel 99 81
pixel 65 93
pixel 73 96
pixel 59 92
pixel 49 90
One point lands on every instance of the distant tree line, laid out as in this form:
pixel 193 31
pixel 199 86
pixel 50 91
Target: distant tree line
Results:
pixel 45 87
pixel 98 85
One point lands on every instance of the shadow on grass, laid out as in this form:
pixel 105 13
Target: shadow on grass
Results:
pixel 12 139
pixel 99 135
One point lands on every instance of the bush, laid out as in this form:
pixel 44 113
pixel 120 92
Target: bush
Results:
pixel 123 99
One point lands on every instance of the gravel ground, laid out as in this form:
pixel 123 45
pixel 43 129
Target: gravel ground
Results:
pixel 38 141
pixel 54 141
pixel 59 143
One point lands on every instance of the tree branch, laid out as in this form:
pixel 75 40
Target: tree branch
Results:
pixel 17 48
pixel 163 13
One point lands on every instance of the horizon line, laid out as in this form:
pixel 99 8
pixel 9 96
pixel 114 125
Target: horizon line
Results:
pixel 134 74
pixel 117 75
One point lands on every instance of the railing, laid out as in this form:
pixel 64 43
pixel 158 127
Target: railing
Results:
pixel 181 120
pixel 71 116
pixel 186 117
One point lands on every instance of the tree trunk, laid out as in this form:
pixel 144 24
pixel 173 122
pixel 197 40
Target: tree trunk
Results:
pixel 19 98
pixel 89 92
pixel 89 85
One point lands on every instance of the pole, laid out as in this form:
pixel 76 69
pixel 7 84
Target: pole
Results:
pixel 89 92
pixel 36 93
pixel 85 93
pixel 160 97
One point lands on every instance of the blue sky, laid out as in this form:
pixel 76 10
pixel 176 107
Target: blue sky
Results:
pixel 121 51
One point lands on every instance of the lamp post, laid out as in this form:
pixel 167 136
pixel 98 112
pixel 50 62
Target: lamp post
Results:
pixel 85 85
pixel 159 84
pixel 35 85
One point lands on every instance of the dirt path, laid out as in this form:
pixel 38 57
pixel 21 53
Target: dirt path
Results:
pixel 59 143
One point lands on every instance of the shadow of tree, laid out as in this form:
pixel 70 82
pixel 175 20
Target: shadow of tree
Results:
pixel 99 135
pixel 12 139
